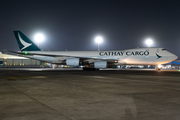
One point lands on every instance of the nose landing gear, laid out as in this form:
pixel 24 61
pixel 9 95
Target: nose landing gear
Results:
pixel 159 67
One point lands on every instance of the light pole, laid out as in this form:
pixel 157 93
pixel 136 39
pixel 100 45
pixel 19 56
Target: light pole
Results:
pixel 149 42
pixel 98 40
pixel 39 38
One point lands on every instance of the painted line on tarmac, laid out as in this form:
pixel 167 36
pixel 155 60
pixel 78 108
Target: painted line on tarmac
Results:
pixel 25 77
pixel 125 79
pixel 39 101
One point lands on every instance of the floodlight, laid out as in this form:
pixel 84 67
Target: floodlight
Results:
pixel 98 40
pixel 39 37
pixel 149 42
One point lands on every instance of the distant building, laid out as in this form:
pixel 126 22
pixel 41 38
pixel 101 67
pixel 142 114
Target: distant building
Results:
pixel 175 64
pixel 12 61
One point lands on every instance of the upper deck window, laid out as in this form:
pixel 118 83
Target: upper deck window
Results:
pixel 163 49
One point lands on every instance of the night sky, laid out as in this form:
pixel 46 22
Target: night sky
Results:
pixel 73 24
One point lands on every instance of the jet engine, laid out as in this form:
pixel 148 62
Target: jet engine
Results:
pixel 100 64
pixel 72 62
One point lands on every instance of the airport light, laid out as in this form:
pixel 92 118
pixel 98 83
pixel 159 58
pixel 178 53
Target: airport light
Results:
pixel 149 42
pixel 159 66
pixel 39 37
pixel 98 40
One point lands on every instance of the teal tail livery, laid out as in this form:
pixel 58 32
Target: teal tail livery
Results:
pixel 25 44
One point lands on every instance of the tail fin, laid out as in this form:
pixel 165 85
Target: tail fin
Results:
pixel 25 44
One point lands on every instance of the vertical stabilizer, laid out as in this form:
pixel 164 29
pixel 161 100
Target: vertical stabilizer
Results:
pixel 25 44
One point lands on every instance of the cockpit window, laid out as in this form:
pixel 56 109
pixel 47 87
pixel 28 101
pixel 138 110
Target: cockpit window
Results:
pixel 163 49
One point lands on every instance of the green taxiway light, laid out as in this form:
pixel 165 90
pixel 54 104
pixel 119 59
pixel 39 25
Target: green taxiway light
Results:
pixel 25 53
pixel 179 70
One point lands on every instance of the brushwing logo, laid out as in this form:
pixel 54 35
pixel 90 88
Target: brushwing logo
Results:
pixel 158 56
pixel 24 43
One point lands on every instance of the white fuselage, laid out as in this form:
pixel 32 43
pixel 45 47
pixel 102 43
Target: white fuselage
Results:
pixel 139 56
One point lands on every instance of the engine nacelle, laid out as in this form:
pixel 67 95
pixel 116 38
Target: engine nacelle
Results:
pixel 72 62
pixel 100 64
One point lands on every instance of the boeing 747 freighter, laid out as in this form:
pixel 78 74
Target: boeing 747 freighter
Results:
pixel 94 59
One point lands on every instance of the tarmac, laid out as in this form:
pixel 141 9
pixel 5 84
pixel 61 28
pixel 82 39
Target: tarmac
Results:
pixel 89 95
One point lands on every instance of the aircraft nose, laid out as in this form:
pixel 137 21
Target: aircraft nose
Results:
pixel 176 57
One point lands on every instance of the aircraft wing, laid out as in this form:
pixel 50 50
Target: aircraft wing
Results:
pixel 49 55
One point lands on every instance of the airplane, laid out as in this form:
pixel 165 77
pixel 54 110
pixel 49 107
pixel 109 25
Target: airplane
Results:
pixel 94 60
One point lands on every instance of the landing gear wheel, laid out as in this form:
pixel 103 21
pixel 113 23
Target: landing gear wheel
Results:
pixel 157 68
